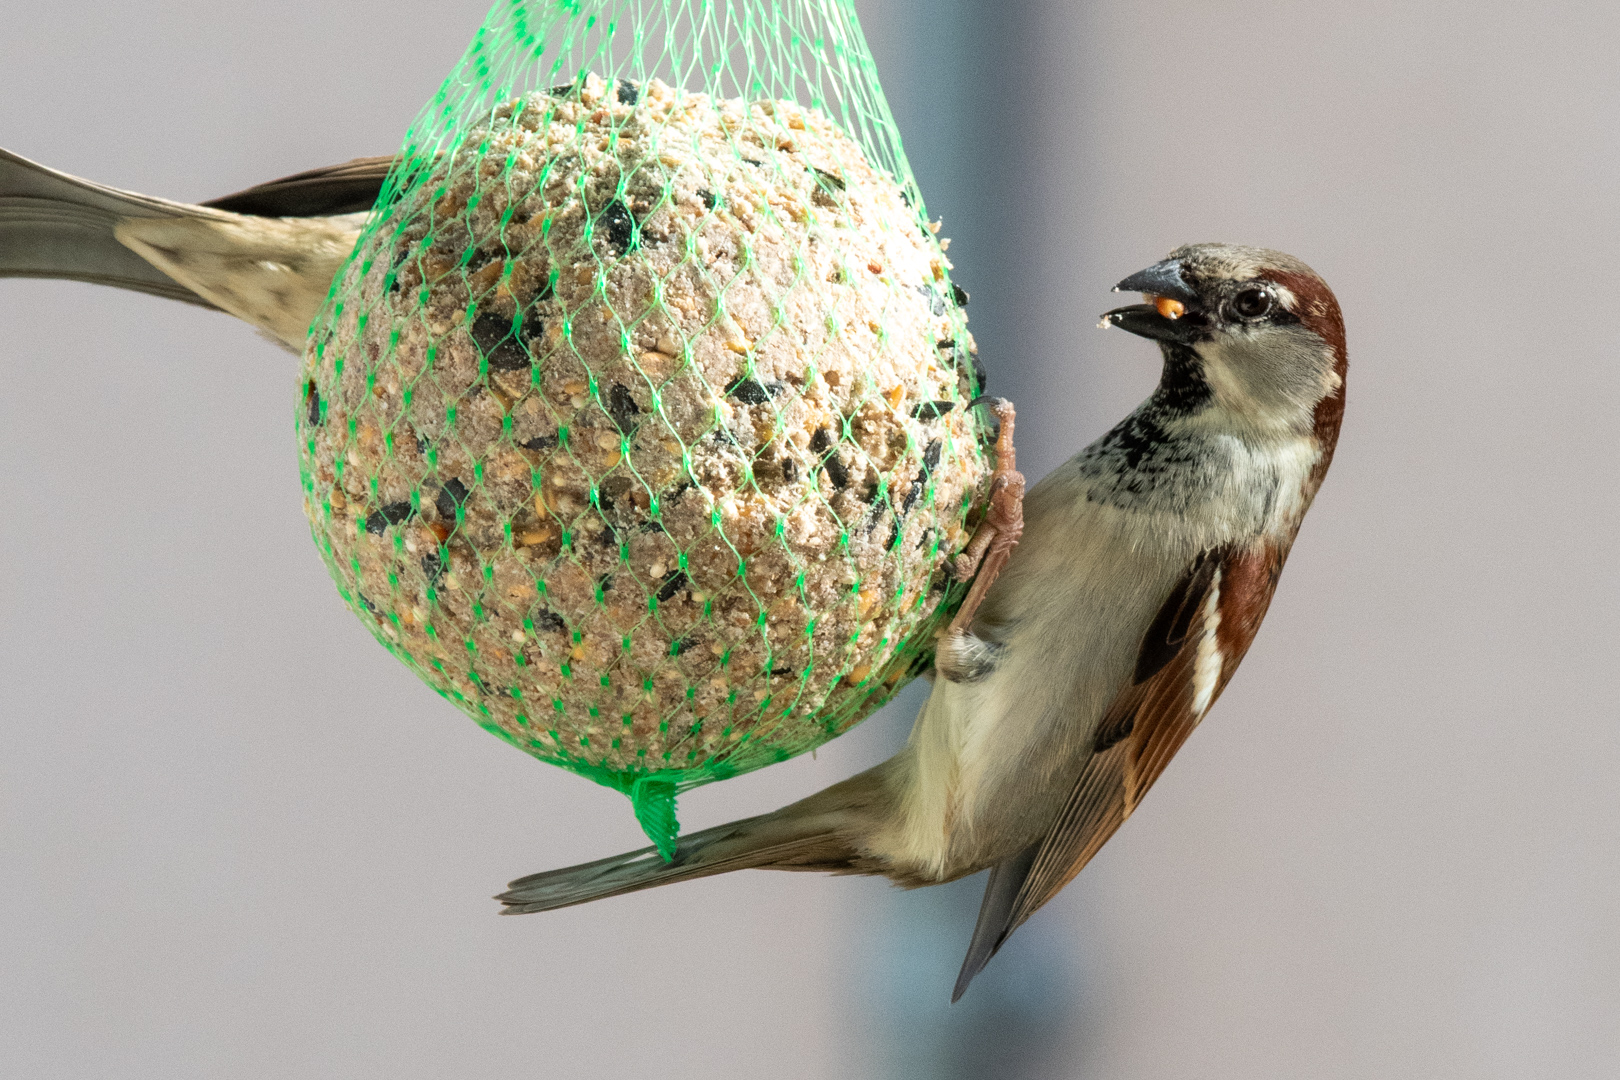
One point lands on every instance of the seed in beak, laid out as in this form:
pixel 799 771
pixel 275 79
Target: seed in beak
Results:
pixel 1168 308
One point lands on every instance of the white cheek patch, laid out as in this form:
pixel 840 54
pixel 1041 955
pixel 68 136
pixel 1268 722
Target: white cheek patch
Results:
pixel 1270 379
pixel 1209 662
pixel 1223 380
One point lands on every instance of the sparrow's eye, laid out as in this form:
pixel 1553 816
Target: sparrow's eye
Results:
pixel 1252 303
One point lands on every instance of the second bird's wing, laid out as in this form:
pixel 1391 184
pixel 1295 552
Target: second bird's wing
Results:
pixel 349 188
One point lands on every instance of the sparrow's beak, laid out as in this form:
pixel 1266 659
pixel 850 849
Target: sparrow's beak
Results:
pixel 1166 316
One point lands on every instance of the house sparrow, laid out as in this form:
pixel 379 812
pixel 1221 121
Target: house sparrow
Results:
pixel 266 255
pixel 1145 566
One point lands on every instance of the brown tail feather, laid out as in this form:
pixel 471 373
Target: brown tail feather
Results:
pixel 820 833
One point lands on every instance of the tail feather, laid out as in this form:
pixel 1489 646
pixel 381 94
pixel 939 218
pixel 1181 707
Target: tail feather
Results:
pixel 820 833
pixel 53 225
pixel 992 929
pixel 271 269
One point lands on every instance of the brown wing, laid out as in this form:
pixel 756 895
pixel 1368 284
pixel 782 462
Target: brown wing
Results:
pixel 1186 658
pixel 349 188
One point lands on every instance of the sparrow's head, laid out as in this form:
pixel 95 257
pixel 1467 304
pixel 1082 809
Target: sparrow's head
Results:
pixel 1253 332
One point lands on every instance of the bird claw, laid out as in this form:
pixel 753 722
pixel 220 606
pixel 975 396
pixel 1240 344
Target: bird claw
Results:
pixel 1003 522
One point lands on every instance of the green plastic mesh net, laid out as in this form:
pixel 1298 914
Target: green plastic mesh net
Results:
pixel 636 424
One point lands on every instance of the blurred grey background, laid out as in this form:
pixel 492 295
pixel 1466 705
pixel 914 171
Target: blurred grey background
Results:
pixel 236 839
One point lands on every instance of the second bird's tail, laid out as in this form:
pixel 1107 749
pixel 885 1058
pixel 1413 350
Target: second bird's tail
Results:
pixel 266 255
pixel 53 225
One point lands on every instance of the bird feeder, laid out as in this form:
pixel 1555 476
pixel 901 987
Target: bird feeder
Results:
pixel 636 424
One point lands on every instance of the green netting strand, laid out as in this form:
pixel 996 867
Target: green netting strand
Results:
pixel 636 424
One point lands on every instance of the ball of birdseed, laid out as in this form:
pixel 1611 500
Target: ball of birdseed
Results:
pixel 638 429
